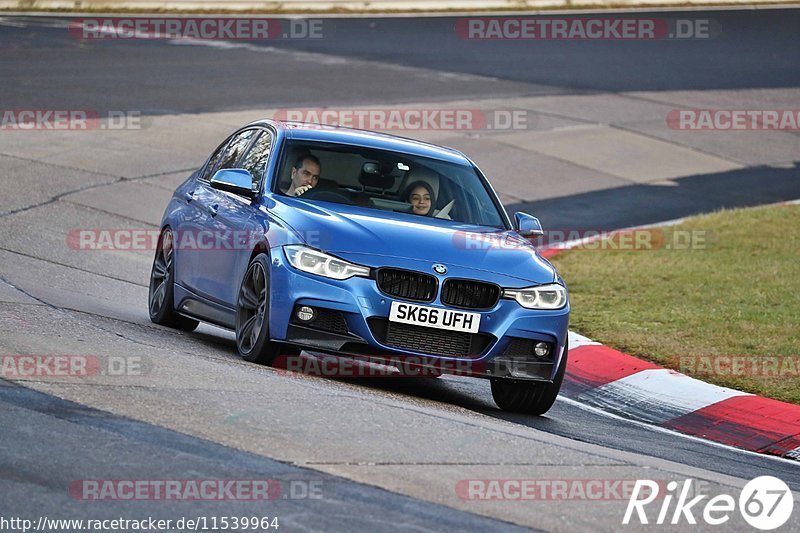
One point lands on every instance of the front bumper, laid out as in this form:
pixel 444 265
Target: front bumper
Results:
pixel 360 327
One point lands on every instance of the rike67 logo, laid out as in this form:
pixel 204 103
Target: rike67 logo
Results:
pixel 766 503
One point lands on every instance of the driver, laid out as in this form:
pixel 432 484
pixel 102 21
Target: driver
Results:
pixel 305 175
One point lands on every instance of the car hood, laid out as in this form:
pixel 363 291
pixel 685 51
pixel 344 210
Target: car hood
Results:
pixel 346 230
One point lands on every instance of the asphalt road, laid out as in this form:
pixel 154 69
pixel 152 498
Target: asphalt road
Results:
pixel 387 452
pixel 748 49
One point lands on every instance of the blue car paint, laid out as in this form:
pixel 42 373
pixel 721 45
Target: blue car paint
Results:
pixel 360 235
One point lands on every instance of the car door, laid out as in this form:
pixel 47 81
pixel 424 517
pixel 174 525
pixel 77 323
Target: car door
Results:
pixel 192 218
pixel 206 242
pixel 233 217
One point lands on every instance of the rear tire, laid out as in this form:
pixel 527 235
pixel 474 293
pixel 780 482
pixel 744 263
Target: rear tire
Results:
pixel 252 314
pixel 533 398
pixel 160 299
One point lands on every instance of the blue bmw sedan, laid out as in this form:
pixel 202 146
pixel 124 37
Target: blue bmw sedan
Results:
pixel 358 244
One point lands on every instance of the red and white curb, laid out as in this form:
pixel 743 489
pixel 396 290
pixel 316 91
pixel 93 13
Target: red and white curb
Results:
pixel 635 389
pixel 615 382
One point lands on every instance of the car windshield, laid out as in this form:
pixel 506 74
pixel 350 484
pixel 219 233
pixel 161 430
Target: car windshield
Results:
pixel 388 181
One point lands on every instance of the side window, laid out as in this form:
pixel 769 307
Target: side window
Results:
pixel 256 159
pixel 213 163
pixel 228 154
pixel 235 149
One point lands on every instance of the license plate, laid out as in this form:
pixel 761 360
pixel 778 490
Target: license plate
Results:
pixel 434 317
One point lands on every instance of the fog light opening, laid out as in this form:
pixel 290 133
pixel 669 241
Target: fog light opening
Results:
pixel 542 350
pixel 305 313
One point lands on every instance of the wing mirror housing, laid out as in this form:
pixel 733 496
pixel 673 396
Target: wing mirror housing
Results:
pixel 235 180
pixel 527 225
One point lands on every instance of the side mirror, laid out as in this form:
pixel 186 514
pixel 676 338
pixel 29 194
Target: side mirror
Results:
pixel 236 180
pixel 528 226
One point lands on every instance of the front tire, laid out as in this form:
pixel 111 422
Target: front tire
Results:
pixel 252 314
pixel 160 299
pixel 528 397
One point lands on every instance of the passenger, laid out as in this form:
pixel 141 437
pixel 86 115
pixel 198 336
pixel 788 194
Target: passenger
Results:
pixel 305 175
pixel 420 195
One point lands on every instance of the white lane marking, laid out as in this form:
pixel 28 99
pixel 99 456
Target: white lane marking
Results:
pixel 576 341
pixel 228 45
pixel 7 21
pixel 659 429
pixel 25 22
pixel 657 395
pixel 327 59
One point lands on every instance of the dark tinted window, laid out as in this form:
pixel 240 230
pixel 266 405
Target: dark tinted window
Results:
pixel 256 159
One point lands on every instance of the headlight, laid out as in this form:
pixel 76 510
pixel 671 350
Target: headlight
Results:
pixel 316 262
pixel 552 296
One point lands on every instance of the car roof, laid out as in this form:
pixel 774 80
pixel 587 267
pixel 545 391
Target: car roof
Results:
pixel 304 131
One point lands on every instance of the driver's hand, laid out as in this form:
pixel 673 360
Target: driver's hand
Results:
pixel 300 190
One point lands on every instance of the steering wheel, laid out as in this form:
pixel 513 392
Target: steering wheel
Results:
pixel 326 195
